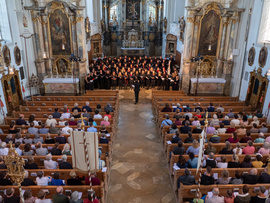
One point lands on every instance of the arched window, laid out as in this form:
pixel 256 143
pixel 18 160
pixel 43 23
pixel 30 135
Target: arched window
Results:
pixel 5 33
pixel 264 33
pixel 113 10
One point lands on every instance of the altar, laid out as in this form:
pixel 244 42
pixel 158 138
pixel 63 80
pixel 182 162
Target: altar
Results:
pixel 132 46
pixel 61 85
pixel 207 86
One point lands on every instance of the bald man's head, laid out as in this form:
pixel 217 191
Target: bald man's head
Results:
pixel 59 190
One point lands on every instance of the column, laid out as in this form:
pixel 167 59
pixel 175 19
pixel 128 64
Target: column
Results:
pixel 195 35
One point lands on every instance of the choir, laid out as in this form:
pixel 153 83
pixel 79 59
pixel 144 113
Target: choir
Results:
pixel 110 73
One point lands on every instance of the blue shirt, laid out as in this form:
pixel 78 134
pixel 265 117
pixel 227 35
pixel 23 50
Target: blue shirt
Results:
pixel 192 163
pixel 166 122
pixel 57 182
pixel 192 149
pixel 92 129
pixel 174 110
pixel 211 109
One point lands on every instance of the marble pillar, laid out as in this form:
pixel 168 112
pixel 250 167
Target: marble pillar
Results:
pixel 227 74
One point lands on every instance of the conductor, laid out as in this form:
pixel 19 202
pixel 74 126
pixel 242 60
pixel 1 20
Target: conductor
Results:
pixel 136 89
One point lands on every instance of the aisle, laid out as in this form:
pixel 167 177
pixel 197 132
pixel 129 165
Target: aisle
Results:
pixel 139 170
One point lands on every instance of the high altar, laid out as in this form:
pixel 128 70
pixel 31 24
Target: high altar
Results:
pixel 59 32
pixel 132 46
pixel 210 31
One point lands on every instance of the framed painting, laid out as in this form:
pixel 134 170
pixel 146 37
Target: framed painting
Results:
pixel 251 56
pixel 263 56
pixel 209 33
pixel 133 10
pixel 60 32
pixel 17 55
pixel 22 73
pixel 6 54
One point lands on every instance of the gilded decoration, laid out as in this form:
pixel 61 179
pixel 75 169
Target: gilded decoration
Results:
pixel 257 89
pixel 114 36
pixel 17 55
pixel 152 37
pixel 62 66
pixel 171 44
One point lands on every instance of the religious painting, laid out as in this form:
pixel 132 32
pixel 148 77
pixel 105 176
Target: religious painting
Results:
pixel 22 73
pixel 96 47
pixel 62 66
pixel 6 54
pixel 59 26
pixel 133 10
pixel 251 56
pixel 263 56
pixel 171 47
pixel 17 55
pixel 209 34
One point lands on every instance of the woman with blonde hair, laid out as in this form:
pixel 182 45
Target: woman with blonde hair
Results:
pixel 231 129
pixel 76 114
pixel 242 129
pixel 73 179
pixel 224 179
pixel 238 149
pixel 194 148
pixel 215 120
pixel 255 120
pixel 105 122
pixel 66 149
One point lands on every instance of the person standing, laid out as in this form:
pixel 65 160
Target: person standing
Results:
pixel 136 89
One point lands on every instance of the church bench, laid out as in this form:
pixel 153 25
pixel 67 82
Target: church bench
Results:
pixel 189 191
pixel 5 128
pixel 101 92
pixel 43 120
pixel 75 98
pixel 223 137
pixel 32 136
pixel 174 158
pixel 193 104
pixel 181 98
pixel 99 190
pixel 218 146
pixel 181 172
pixel 64 174
pixel 70 105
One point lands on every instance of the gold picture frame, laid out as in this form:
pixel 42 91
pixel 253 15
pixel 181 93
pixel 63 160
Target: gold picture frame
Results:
pixel 17 55
pixel 6 55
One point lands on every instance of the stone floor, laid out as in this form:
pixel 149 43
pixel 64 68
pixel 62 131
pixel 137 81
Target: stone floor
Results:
pixel 139 172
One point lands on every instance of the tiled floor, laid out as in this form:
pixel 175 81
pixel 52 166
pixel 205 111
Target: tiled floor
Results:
pixel 139 171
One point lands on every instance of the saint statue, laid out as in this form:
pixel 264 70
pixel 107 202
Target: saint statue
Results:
pixel 182 27
pixel 165 24
pixel 102 25
pixel 87 28
pixel 150 20
pixel 114 18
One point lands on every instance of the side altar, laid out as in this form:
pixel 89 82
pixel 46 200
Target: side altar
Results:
pixel 207 85
pixel 61 85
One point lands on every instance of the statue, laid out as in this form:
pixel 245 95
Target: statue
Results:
pixel 165 25
pixel 87 28
pixel 114 18
pixel 182 27
pixel 102 25
pixel 150 20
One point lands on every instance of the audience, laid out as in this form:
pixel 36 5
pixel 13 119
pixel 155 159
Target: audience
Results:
pixel 185 129
pixel 27 150
pixel 249 149
pixel 30 164
pixel 189 139
pixel 215 138
pixel 194 148
pixel 10 197
pixel 105 121
pixel 91 128
pixel 260 139
pixel 40 151
pixel 243 196
pixel 263 129
pixel 28 197
pixel 231 129
pixel 238 149
pixel 32 129
pixel 210 149
pixel 198 129
pixel 59 197
pixel 265 149
pixel 91 198
pixel 176 137
pixel 166 122
pixel 55 150
pixel 2 163
pixel 108 107
pixel 61 139
pixel 73 179
pixel 210 161
pixel 182 162
pixel 42 180
pixel 48 139
pixel 193 161
pixel 222 163
pixel 94 179
pixel 66 130
pixel 50 121
pixel 66 150
pixel 227 149
pixel 56 114
pixel 179 150
pixel 246 138
pixel 97 115
pixel 3 179
pixel 38 138
pixel 49 163
pixel 251 177
pixel 258 163
pixel 27 181
pixel 75 198
pixel 87 107
pixel 167 108
pixel 234 163
pixel 224 179
pixel 210 129
pixel 234 138
pixel 56 179
pixel 21 120
pixel 229 198
pixel 215 198
pixel 254 128
pixel 207 178
pixel 237 180
pixel 246 162
pixel 64 164
pixel 186 179
pixel 41 197
pixel 3 149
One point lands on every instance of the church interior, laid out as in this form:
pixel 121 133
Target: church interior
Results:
pixel 134 101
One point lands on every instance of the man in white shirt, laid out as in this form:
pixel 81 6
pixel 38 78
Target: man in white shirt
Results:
pixel 3 149
pixel 17 148
pixel 65 114
pixel 97 115
pixel 50 121
pixel 236 121
pixel 61 122
pixel 215 198
pixel 49 163
pixel 66 130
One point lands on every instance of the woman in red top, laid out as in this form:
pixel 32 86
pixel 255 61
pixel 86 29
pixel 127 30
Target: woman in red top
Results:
pixel 234 138
pixel 91 198
pixel 231 129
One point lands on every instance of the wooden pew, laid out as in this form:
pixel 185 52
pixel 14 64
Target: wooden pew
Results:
pixel 99 190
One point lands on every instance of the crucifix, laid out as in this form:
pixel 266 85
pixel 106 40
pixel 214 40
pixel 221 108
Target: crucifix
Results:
pixel 132 10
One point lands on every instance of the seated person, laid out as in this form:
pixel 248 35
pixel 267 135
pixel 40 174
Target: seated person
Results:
pixel 260 197
pixel 224 179
pixel 21 120
pixel 249 149
pixel 210 129
pixel 211 108
pixel 210 161
pixel 72 121
pixel 55 150
pixel 2 163
pixel 179 150
pixel 198 114
pixel 56 179
pixel 182 163
pixel 186 119
pixel 221 129
pixel 27 150
pixel 246 138
pixel 42 180
pixel 176 137
pixel 198 129
pixel 215 120
pixel 177 121
pixel 3 149
pixel 32 129
pixel 91 197
pixel 103 130
pixel 189 139
pixel 236 121
pixel 66 114
pixel 255 120
pixel 234 163
pixel 210 149
pixel 38 139
pixel 30 164
pixel 91 120
pixel 241 130
pixel 56 114
pixel 3 179
pixel 237 180
pixel 9 138
pixel 263 129
pixel 40 151
pixel 186 179
pixel 105 121
pixel 185 129
pixel 251 177
pixel 230 114
pixel 103 139
pixel 194 148
pixel 87 107
pixel 234 138
pixel 265 175
pixel 76 114
pixel 231 129
pixel 49 121
pixel 91 128
pixel 258 163
pixel 265 149
pixel 108 108
pixel 246 162
pixel 49 163
pixel 85 114
pixel 227 149
pixel 66 130
pixel 99 108
pixel 11 197
pixel 260 139
pixel 254 128
pixel 76 107
pixel 48 139
pixel 187 108
pixel 226 120
pixel 97 115
pixel 94 179
pixel 222 163
pixel 73 179
pixel 167 108
pixel 43 130
pixel 196 121
pixel 108 114
pixel 66 150
pixel 219 113
pixel 61 139
pixel 178 106
pixel 167 121
pixel 12 129
pixel 243 196
pixel 178 114
pixel 18 138
pixel 27 181
pixel 173 129
pixel 62 121
pixel 215 138
pixel 193 161
pixel 238 149
pixel 207 178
